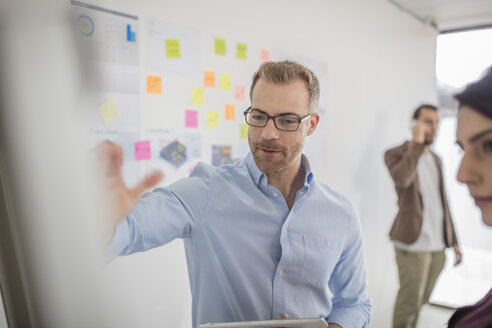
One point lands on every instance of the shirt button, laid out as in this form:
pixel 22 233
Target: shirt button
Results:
pixel 256 181
pixel 281 272
pixel 275 194
pixel 285 231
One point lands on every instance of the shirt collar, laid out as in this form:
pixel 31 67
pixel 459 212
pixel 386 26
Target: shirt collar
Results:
pixel 258 175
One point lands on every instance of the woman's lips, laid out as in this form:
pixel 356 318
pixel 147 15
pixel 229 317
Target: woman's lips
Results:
pixel 481 201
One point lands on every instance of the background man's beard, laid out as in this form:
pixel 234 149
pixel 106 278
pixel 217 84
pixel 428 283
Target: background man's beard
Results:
pixel 428 142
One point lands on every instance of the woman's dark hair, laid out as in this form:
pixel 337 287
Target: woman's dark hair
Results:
pixel 478 94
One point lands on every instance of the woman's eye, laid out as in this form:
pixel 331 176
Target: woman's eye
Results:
pixel 487 146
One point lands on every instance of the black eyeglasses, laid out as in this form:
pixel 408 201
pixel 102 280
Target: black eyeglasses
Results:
pixel 283 122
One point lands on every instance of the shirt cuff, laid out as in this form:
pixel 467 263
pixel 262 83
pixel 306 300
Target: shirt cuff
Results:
pixel 347 318
pixel 118 243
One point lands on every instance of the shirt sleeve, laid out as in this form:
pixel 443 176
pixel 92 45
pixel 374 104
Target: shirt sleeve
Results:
pixel 164 214
pixel 351 301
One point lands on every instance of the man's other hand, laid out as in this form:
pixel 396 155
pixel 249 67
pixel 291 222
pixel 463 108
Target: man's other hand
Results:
pixel 118 197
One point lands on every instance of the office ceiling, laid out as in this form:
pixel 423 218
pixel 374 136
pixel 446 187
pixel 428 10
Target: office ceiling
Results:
pixel 450 15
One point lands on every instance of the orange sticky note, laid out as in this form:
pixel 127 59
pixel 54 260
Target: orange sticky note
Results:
pixel 230 112
pixel 154 84
pixel 209 79
pixel 244 131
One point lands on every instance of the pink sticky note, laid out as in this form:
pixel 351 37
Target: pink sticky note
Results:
pixel 240 90
pixel 265 56
pixel 191 119
pixel 142 150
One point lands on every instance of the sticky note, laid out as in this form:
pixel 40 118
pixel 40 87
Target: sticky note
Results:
pixel 142 150
pixel 197 96
pixel 264 56
pixel 220 46
pixel 109 111
pixel 241 50
pixel 191 118
pixel 172 49
pixel 209 79
pixel 212 119
pixel 240 92
pixel 154 84
pixel 225 82
pixel 230 112
pixel 244 131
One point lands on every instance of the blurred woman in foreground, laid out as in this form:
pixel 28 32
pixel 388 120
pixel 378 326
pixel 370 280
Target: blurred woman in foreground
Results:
pixel 474 136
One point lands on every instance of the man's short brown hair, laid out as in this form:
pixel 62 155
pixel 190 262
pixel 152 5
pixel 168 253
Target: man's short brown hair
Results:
pixel 285 72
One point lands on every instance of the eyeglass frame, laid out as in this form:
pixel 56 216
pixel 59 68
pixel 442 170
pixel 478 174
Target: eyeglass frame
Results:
pixel 299 120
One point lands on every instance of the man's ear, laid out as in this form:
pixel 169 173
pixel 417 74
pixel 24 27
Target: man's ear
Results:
pixel 313 123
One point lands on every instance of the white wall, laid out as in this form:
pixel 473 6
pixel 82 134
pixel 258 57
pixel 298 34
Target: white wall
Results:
pixel 381 64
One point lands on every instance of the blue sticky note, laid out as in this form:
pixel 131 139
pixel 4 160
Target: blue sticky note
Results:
pixel 130 36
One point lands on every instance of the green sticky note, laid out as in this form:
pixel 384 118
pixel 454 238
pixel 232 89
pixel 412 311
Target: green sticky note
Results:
pixel 244 131
pixel 212 119
pixel 109 111
pixel 241 50
pixel 172 49
pixel 197 96
pixel 220 46
pixel 225 82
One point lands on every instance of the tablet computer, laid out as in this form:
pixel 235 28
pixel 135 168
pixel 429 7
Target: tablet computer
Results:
pixel 289 323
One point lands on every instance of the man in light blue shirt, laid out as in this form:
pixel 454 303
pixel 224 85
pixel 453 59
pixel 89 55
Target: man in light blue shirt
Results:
pixel 263 237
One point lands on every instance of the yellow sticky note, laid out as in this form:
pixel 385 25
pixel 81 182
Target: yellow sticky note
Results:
pixel 197 96
pixel 212 119
pixel 244 131
pixel 154 84
pixel 230 112
pixel 220 46
pixel 172 49
pixel 241 50
pixel 109 111
pixel 225 82
pixel 209 79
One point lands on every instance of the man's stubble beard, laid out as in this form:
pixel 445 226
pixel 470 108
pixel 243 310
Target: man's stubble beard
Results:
pixel 277 166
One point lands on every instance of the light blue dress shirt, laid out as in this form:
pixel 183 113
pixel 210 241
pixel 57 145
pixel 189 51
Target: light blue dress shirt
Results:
pixel 249 257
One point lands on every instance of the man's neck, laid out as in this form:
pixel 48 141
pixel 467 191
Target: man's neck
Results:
pixel 288 182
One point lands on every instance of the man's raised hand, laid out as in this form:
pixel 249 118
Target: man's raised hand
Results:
pixel 118 197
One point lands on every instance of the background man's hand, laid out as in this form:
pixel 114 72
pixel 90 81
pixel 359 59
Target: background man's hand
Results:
pixel 418 131
pixel 458 255
pixel 119 198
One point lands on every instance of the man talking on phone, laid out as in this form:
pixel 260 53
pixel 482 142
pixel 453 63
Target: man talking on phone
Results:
pixel 423 227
